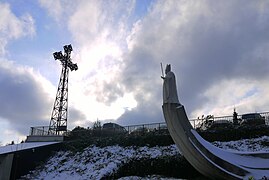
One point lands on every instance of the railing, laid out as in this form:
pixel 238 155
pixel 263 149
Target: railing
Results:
pixel 43 131
pixel 196 122
pixel 39 131
pixel 155 127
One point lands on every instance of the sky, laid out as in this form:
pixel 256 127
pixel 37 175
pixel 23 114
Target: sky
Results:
pixel 218 51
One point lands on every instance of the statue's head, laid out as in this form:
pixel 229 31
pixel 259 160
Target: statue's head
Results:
pixel 168 68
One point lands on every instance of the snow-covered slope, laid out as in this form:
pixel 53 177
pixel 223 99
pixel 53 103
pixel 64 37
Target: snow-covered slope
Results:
pixel 246 145
pixel 95 162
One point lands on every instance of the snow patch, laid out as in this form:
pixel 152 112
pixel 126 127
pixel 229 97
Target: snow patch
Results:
pixel 95 162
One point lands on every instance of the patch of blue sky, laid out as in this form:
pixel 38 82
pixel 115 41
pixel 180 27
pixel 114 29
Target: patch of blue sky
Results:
pixel 20 7
pixel 34 50
pixel 48 34
pixel 142 7
pixel 250 92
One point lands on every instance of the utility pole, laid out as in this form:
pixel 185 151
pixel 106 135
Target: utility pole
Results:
pixel 58 122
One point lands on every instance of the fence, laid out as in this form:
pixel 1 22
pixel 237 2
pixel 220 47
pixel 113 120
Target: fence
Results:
pixel 156 127
pixel 44 131
pixel 197 122
pixel 39 131
pixel 194 122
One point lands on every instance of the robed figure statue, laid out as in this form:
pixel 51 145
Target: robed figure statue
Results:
pixel 169 87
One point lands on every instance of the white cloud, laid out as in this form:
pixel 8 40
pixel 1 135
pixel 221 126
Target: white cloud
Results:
pixel 13 27
pixel 243 94
pixel 86 23
pixel 99 29
pixel 56 9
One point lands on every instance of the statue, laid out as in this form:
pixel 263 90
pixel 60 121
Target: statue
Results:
pixel 169 86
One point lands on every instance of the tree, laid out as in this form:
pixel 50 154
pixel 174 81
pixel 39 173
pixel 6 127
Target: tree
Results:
pixel 235 119
pixel 97 125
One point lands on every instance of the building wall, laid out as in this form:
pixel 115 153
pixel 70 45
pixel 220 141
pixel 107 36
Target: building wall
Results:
pixel 45 138
pixel 6 166
pixel 27 160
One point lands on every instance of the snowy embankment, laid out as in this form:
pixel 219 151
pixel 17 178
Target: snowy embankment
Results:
pixel 246 145
pixel 96 163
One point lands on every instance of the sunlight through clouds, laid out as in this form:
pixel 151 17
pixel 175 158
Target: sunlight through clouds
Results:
pixel 100 59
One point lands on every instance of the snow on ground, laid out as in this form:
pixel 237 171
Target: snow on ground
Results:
pixel 95 162
pixel 246 145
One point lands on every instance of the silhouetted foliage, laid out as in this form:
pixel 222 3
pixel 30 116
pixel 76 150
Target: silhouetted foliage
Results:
pixel 169 166
pixel 97 125
pixel 236 133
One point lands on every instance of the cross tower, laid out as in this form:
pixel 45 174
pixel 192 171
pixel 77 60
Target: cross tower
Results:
pixel 58 122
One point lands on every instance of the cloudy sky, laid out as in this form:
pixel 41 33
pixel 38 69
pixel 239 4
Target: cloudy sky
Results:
pixel 219 51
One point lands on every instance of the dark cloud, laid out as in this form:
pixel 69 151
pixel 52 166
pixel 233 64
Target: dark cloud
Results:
pixel 144 113
pixel 221 45
pixel 206 42
pixel 24 101
pixel 141 76
pixel 75 117
pixel 108 93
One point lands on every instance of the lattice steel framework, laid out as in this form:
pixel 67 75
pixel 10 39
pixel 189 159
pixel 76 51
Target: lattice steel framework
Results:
pixel 58 122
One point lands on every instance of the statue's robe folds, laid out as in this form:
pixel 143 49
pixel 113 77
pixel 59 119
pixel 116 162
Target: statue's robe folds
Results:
pixel 170 89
